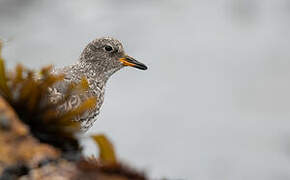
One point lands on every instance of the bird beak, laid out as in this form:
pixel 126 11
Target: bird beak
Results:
pixel 129 61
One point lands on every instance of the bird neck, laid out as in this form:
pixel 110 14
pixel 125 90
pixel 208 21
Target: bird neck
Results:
pixel 97 76
pixel 92 72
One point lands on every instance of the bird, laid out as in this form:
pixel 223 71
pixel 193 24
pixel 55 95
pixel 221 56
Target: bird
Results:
pixel 99 60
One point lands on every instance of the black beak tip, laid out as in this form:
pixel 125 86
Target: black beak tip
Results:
pixel 141 66
pixel 144 67
pixel 136 64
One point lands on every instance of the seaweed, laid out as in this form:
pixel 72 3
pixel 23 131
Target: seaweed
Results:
pixel 27 93
pixel 107 154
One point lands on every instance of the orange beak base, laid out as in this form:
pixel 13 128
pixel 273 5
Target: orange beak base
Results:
pixel 129 61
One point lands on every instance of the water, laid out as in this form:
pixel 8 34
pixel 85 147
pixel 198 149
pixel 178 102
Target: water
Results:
pixel 215 101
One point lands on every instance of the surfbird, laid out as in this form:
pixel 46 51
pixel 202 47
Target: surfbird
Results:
pixel 99 60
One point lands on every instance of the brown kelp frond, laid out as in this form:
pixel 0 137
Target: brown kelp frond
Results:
pixel 106 165
pixel 107 155
pixel 28 96
pixel 84 84
pixel 3 79
pixel 27 92
pixel 84 107
pixel 91 168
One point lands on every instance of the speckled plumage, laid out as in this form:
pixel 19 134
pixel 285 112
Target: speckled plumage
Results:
pixel 97 64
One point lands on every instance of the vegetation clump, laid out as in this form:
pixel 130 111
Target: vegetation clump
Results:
pixel 41 130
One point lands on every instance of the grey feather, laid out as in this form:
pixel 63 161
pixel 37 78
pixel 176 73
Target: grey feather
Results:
pixel 96 64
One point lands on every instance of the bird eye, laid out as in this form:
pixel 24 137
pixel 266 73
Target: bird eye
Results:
pixel 109 48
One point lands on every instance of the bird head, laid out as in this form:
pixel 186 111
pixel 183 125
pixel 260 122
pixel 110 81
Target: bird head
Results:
pixel 108 55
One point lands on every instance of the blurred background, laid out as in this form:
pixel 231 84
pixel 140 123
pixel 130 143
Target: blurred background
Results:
pixel 214 103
